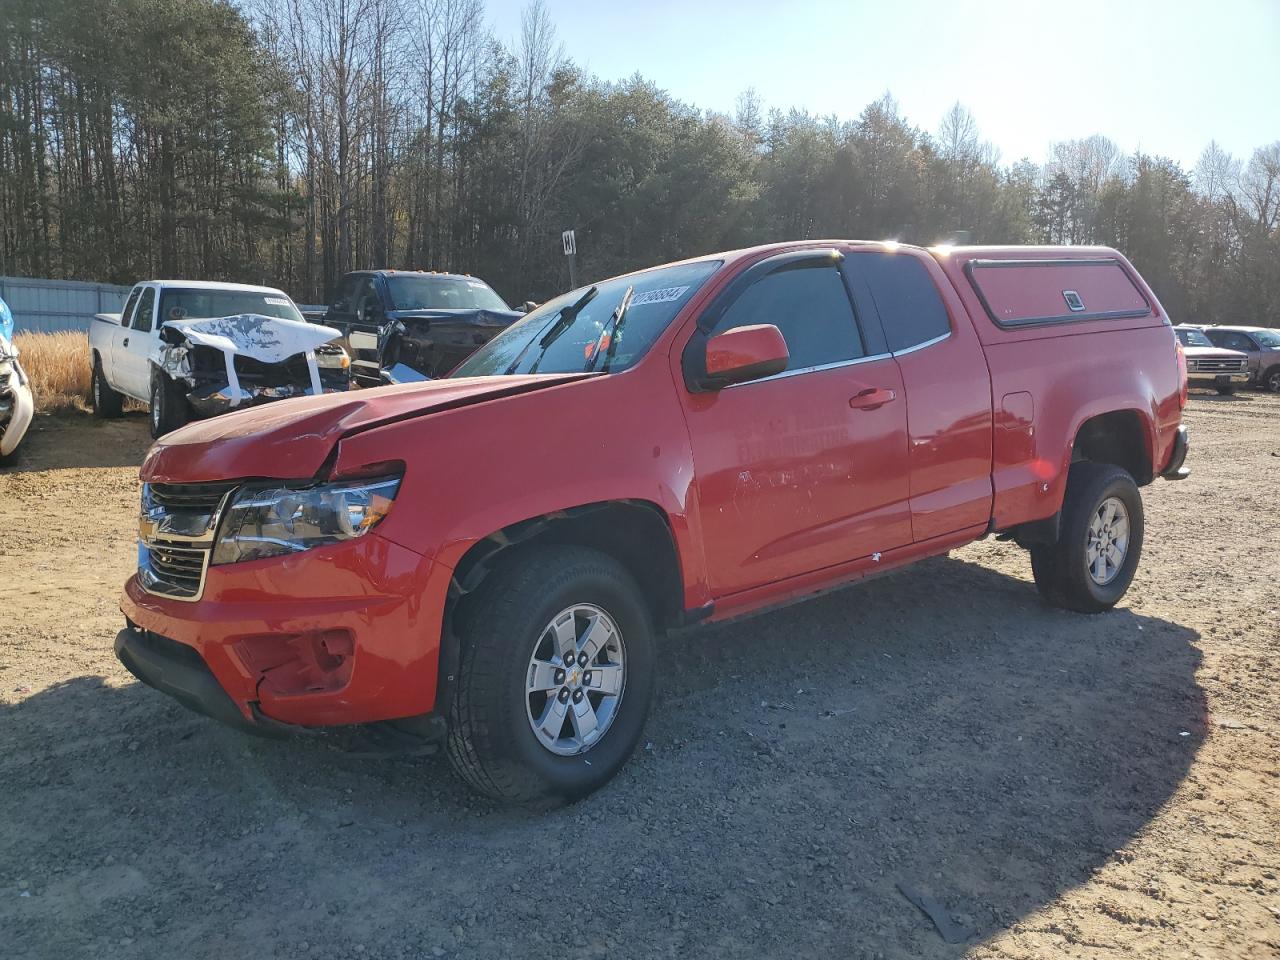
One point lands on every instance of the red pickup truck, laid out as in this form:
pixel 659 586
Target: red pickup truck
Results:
pixel 488 558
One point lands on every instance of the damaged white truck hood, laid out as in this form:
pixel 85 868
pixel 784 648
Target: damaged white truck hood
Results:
pixel 266 339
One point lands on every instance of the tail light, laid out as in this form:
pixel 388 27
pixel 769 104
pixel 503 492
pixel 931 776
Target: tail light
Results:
pixel 1182 373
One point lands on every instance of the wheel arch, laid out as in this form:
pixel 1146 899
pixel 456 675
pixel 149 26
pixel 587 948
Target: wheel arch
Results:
pixel 1124 438
pixel 636 533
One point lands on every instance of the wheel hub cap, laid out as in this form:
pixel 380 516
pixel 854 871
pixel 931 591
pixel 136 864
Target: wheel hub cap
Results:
pixel 1108 542
pixel 575 680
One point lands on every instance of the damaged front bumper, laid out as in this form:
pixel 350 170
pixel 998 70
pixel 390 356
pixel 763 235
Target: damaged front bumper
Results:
pixel 210 399
pixel 17 405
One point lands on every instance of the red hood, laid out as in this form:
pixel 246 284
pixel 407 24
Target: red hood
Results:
pixel 291 439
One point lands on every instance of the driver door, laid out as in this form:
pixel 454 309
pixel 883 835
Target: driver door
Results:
pixel 808 468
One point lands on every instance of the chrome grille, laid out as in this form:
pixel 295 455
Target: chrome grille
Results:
pixel 194 497
pixel 171 570
pixel 1217 364
pixel 175 535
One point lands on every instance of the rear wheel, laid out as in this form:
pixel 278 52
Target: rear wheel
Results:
pixel 1225 389
pixel 169 408
pixel 1099 543
pixel 555 678
pixel 107 403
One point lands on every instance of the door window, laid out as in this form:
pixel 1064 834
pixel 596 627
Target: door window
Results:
pixel 810 306
pixel 126 316
pixel 344 299
pixel 906 298
pixel 146 307
pixel 1238 341
pixel 366 299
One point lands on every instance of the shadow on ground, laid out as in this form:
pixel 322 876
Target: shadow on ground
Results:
pixel 60 441
pixel 938 728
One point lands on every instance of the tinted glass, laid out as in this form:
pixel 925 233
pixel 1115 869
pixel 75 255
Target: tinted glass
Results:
pixel 146 308
pixel 178 304
pixel 1193 338
pixel 532 345
pixel 415 292
pixel 811 308
pixel 1268 338
pixel 126 315
pixel 908 302
pixel 1236 341
pixel 343 297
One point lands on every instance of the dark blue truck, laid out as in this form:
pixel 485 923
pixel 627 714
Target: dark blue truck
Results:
pixel 412 324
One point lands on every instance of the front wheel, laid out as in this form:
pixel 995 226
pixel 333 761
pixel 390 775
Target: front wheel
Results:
pixel 1099 543
pixel 555 677
pixel 169 409
pixel 1271 380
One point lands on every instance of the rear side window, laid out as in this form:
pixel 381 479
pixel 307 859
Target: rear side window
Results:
pixel 811 308
pixel 146 307
pixel 907 300
pixel 1018 293
pixel 1230 340
pixel 126 316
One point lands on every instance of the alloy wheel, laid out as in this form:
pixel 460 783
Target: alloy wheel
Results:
pixel 1108 541
pixel 575 680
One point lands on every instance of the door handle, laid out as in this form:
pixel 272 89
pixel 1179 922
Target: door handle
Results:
pixel 125 342
pixel 872 398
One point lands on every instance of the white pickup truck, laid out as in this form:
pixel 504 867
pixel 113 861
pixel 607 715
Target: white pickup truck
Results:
pixel 195 349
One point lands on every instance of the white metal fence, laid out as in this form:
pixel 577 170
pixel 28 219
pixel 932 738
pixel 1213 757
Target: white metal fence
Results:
pixel 47 306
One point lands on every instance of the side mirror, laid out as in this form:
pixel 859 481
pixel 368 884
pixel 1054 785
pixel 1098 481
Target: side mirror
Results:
pixel 743 354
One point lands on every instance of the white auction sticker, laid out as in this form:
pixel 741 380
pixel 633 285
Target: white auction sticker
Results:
pixel 277 301
pixel 665 295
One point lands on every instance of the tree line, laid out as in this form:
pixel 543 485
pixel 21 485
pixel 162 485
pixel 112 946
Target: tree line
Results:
pixel 287 141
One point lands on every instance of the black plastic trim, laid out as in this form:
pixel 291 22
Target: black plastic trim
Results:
pixel 178 670
pixel 1174 469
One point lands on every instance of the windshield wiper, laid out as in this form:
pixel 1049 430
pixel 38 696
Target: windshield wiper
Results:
pixel 611 334
pixel 553 331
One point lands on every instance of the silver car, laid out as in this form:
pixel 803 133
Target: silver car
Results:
pixel 1260 344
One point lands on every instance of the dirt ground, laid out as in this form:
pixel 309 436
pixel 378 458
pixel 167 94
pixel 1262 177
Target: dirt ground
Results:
pixel 1066 785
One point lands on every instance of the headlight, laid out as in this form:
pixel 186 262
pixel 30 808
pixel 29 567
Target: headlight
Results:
pixel 271 521
pixel 335 359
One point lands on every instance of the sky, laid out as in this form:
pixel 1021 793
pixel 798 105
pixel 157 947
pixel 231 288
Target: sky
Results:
pixel 1161 77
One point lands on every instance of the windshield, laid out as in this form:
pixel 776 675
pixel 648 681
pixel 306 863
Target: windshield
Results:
pixel 658 296
pixel 416 292
pixel 1268 338
pixel 178 304
pixel 1193 338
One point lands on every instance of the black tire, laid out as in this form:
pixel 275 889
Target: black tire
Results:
pixel 107 403
pixel 491 743
pixel 1225 389
pixel 1061 569
pixel 1271 380
pixel 169 407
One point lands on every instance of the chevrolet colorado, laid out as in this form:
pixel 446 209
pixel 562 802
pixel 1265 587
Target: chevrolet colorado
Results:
pixel 488 558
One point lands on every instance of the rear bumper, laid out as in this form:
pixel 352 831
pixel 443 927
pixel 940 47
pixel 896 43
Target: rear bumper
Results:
pixel 1175 469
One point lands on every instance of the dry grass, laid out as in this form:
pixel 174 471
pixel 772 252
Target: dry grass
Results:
pixel 58 365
